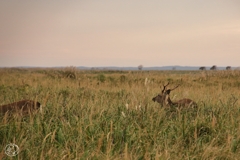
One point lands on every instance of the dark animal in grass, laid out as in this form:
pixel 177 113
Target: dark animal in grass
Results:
pixel 23 107
pixel 164 99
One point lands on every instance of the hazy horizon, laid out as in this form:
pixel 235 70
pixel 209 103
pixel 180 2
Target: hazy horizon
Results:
pixel 119 33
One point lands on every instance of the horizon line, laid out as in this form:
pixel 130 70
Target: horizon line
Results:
pixel 113 66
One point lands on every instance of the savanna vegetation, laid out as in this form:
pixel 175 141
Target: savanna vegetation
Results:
pixel 111 115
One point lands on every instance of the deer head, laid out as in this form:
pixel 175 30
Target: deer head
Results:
pixel 161 97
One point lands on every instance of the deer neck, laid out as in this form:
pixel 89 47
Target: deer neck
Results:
pixel 168 101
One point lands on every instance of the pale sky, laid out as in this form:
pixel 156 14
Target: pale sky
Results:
pixel 48 33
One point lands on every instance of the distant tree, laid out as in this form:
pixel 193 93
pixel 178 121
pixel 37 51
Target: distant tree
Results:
pixel 228 68
pixel 140 67
pixel 214 67
pixel 174 68
pixel 202 68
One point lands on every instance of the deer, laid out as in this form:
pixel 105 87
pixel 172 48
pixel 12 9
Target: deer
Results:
pixel 164 99
pixel 23 107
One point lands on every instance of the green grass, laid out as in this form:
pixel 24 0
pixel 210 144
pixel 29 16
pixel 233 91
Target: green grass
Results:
pixel 110 115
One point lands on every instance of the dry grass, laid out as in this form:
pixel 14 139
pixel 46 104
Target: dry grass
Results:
pixel 110 115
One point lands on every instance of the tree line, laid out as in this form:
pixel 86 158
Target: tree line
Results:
pixel 214 67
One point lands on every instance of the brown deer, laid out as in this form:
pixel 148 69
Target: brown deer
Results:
pixel 22 107
pixel 164 99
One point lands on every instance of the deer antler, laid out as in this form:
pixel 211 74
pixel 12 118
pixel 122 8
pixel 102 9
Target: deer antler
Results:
pixel 169 90
pixel 174 87
pixel 164 87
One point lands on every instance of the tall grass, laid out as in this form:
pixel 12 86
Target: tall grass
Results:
pixel 110 115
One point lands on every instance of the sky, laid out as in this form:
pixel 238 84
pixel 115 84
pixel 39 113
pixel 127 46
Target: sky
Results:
pixel 122 33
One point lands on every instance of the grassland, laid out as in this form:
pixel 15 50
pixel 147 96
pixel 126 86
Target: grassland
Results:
pixel 110 115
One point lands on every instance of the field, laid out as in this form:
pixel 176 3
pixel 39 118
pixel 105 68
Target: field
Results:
pixel 111 115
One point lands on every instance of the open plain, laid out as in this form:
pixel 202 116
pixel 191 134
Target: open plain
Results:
pixel 110 114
